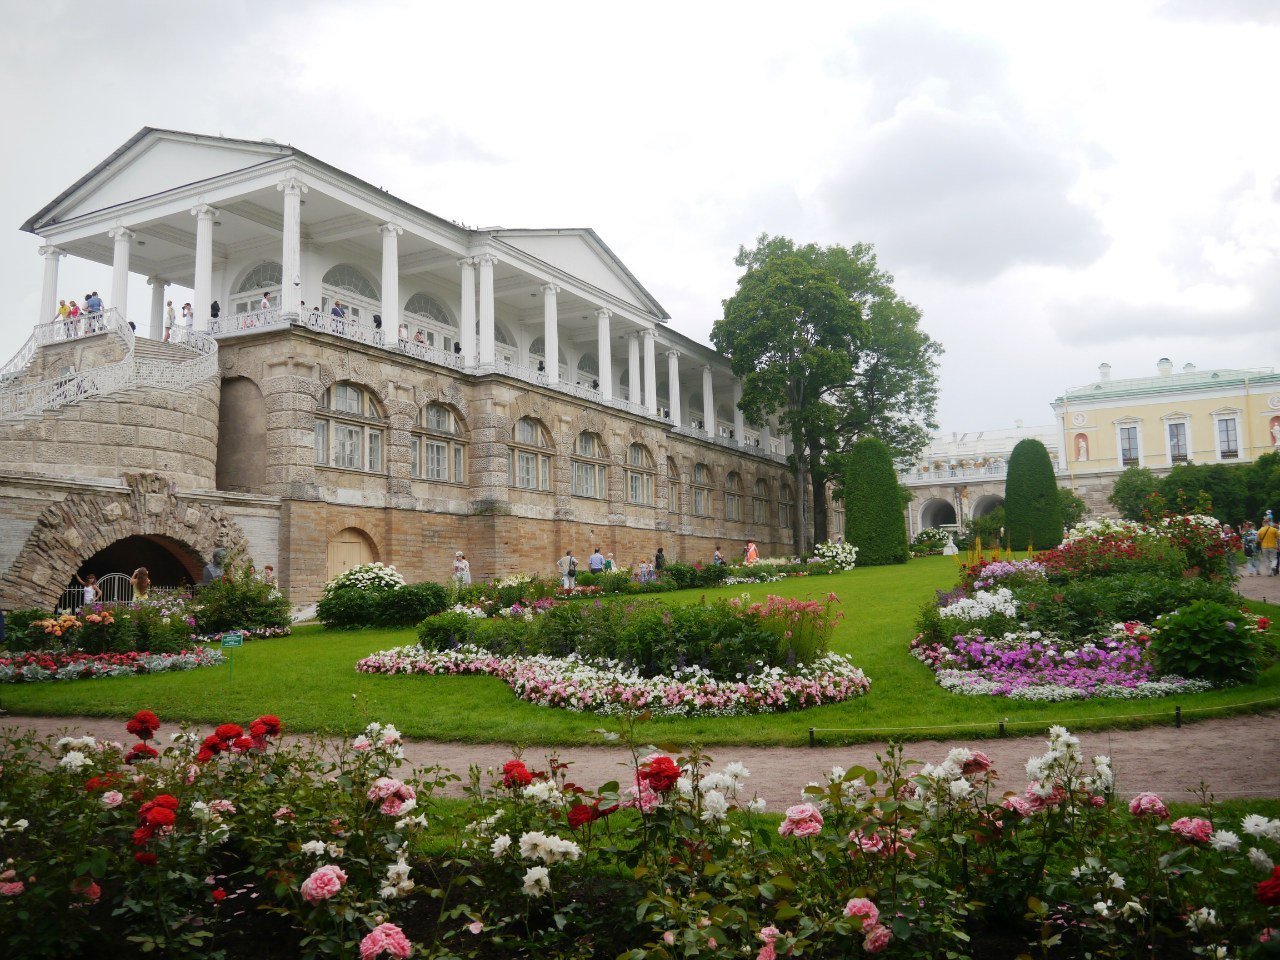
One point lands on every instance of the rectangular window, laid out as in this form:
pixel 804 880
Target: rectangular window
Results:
pixel 639 487
pixel 415 458
pixel 588 480
pixel 1228 443
pixel 459 474
pixel 346 446
pixel 757 511
pixel 346 399
pixel 544 465
pixel 1178 442
pixel 322 441
pixel 437 461
pixel 784 515
pixel 701 502
pixel 526 470
pixel 375 451
pixel 732 506
pixel 1129 446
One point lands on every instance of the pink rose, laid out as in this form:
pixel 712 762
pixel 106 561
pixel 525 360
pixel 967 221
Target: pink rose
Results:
pixel 385 938
pixel 323 884
pixel 802 820
pixel 1192 829
pixel 864 908
pixel 397 797
pixel 284 813
pixel 877 938
pixel 669 938
pixel 1148 805
pixel 475 927
pixel 112 798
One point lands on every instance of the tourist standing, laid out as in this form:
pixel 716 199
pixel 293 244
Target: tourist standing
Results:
pixel 90 589
pixel 169 318
pixel 461 569
pixel 609 564
pixel 1228 535
pixel 141 581
pixel 269 574
pixel 752 553
pixel 188 317
pixel 659 561
pixel 1249 541
pixel 265 302
pixel 1267 537
pixel 595 562
pixel 563 566
pixel 717 558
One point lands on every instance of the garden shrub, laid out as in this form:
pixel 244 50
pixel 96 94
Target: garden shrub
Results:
pixel 447 630
pixel 1096 604
pixel 1032 509
pixel 1207 640
pixel 873 505
pixel 408 605
pixel 240 601
pixel 348 608
pixel 20 632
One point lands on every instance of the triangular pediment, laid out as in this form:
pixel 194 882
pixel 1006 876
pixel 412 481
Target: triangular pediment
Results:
pixel 155 162
pixel 580 253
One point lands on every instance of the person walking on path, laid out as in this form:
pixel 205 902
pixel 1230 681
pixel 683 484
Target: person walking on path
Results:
pixel 461 569
pixel 609 564
pixel 564 565
pixel 1267 537
pixel 595 562
pixel 1249 543
pixel 659 562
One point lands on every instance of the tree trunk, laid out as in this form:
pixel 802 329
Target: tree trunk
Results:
pixel 818 477
pixel 799 520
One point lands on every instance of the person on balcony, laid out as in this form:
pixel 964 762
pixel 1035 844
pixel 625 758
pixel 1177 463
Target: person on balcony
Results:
pixel 169 318
pixel 188 316
pixel 403 333
pixel 265 302
pixel 93 302
pixel 338 311
pixel 419 338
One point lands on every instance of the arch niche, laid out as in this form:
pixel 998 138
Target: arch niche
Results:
pixel 348 548
pixel 937 513
pixel 985 504
pixel 242 437
pixel 84 525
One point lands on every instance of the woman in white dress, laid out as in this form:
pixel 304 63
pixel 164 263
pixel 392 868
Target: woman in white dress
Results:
pixel 461 569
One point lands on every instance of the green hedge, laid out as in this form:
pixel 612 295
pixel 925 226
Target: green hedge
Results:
pixel 873 506
pixel 354 607
pixel 1032 508
pixel 240 601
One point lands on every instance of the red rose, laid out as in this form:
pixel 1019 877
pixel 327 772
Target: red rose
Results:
pixel 204 755
pixel 166 800
pixel 661 772
pixel 580 814
pixel 242 744
pixel 229 731
pixel 142 835
pixel 146 859
pixel 516 774
pixel 140 751
pixel 161 817
pixel 1268 892
pixel 257 729
pixel 1263 623
pixel 271 722
pixel 219 895
pixel 143 724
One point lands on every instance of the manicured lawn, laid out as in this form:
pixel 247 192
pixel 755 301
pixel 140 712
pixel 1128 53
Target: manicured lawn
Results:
pixel 309 679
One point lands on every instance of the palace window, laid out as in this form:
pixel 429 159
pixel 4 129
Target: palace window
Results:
pixel 589 467
pixel 673 486
pixel 358 294
pixel 351 433
pixel 1178 443
pixel 1228 439
pixel 640 472
pixel 437 449
pixel 426 315
pixel 529 464
pixel 1129 453
pixel 785 506
pixel 733 496
pixel 264 278
pixel 760 504
pixel 701 490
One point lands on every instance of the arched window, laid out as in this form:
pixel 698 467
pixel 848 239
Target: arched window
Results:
pixel 640 472
pixel 356 292
pixel 785 505
pixel 429 308
pixel 760 503
pixel 349 433
pixel 427 322
pixel 264 278
pixel 733 496
pixel 588 368
pixel 529 464
pixel 694 412
pixel 437 446
pixel 590 467
pixel 347 278
pixel 701 490
pixel 673 486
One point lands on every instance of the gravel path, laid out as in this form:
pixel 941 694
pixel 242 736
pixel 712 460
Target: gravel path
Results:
pixel 1235 756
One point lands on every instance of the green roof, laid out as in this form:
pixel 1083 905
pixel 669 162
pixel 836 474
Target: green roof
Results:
pixel 1172 383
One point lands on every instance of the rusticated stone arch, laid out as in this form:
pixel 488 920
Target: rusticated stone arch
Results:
pixel 70 531
pixel 449 394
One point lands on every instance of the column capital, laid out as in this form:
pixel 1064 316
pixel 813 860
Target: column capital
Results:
pixel 157 282
pixel 467 262
pixel 603 313
pixel 121 233
pixel 551 289
pixel 486 259
pixel 52 253
pixel 202 211
pixel 706 368
pixel 390 229
pixel 673 354
pixel 292 187
pixel 647 332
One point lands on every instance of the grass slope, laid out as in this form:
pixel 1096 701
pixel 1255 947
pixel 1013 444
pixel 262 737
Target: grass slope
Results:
pixel 309 679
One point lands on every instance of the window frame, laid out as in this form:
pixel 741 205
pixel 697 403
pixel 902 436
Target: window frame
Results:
pixel 589 468
pixel 448 435
pixel 702 485
pixel 640 476
pixel 536 454
pixel 344 439
pixel 1221 420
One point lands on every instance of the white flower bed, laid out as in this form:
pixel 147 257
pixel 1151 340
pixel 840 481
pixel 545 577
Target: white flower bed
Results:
pixel 367 576
pixel 983 604
pixel 843 556
pixel 964 681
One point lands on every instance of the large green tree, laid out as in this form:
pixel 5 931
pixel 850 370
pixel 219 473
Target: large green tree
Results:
pixel 791 335
pixel 873 505
pixel 1131 492
pixel 1032 508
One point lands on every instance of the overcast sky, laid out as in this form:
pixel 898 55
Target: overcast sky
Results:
pixel 1054 185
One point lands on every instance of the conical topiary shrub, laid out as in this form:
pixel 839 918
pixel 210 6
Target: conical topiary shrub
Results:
pixel 873 506
pixel 1032 510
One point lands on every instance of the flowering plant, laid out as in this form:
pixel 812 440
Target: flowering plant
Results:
pixel 36 667
pixel 366 576
pixel 841 556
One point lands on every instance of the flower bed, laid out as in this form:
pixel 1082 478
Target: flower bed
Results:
pixel 42 666
pixel 236 844
pixel 259 633
pixel 607 687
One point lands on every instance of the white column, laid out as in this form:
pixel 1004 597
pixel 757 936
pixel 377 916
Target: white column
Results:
pixel 157 308
pixel 551 331
pixel 633 368
pixel 673 385
pixel 203 286
pixel 120 270
pixel 390 281
pixel 604 347
pixel 739 423
pixel 49 292
pixel 650 375
pixel 291 251
pixel 467 311
pixel 487 260
pixel 708 402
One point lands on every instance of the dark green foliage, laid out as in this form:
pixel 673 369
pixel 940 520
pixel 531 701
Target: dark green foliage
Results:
pixel 240 601
pixel 1073 507
pixel 410 604
pixel 873 506
pixel 447 630
pixel 1076 608
pixel 1207 641
pixel 348 608
pixel 1033 513
pixel 1131 493
pixel 19 634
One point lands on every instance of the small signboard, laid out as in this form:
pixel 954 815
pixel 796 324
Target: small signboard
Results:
pixel 233 638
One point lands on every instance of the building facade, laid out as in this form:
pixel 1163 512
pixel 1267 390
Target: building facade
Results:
pixel 361 380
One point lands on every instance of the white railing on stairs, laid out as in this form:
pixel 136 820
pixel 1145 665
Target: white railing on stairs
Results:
pixel 198 362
